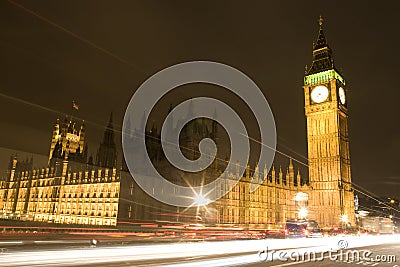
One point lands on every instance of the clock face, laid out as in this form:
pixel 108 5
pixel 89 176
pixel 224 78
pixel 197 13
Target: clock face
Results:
pixel 319 94
pixel 342 96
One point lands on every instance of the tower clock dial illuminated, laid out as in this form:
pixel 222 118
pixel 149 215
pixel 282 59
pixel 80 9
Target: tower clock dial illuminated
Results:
pixel 319 94
pixel 342 96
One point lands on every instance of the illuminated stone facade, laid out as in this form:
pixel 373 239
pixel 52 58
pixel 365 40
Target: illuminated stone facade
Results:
pixel 60 195
pixel 332 198
pixel 275 201
pixel 79 190
pixel 70 189
pixel 68 138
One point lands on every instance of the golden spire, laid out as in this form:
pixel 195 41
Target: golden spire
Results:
pixel 320 21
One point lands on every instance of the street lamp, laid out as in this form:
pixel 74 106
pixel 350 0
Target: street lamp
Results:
pixel 301 197
pixel 344 220
pixel 303 212
pixel 201 200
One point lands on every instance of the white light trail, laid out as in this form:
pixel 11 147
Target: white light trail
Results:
pixel 88 255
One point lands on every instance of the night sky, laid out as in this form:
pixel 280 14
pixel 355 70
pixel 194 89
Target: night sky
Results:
pixel 98 52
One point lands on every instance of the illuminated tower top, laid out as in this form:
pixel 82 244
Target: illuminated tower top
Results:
pixel 67 140
pixel 322 53
pixel 322 67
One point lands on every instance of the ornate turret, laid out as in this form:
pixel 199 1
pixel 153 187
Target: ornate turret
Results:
pixel 67 142
pixel 265 172
pixel 82 136
pixel 58 151
pixel 298 178
pixel 280 177
pixel 256 174
pixel 291 172
pixel 107 153
pixel 54 138
pixel 273 174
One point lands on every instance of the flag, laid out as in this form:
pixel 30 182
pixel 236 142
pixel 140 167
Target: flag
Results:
pixel 74 105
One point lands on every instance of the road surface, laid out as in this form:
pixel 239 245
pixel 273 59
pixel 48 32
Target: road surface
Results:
pixel 381 251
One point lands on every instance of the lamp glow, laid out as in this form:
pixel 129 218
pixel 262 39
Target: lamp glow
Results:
pixel 303 212
pixel 201 200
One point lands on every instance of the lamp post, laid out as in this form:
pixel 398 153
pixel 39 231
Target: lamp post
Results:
pixel 303 212
pixel 200 201
pixel 344 220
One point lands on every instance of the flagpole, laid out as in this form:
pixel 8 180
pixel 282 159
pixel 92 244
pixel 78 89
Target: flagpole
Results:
pixel 75 108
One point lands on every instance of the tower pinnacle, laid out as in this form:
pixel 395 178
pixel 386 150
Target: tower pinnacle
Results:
pixel 322 53
pixel 320 21
pixel 107 153
pixel 321 40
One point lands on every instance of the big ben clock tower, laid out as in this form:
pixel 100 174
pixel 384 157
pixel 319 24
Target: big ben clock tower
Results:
pixel 331 200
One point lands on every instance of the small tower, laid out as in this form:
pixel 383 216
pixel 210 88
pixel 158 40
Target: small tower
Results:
pixel 214 136
pixel 256 176
pixel 273 174
pixel 71 142
pixel 54 138
pixel 82 137
pixel 280 178
pixel 107 152
pixel 298 178
pixel 265 172
pixel 291 173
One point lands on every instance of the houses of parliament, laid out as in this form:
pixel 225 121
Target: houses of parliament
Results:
pixel 76 189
